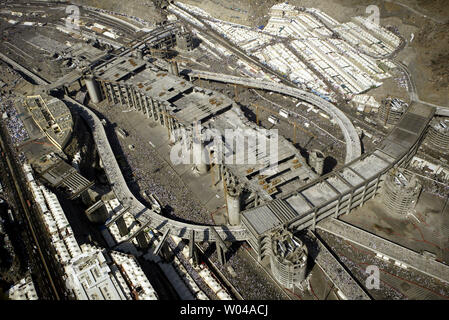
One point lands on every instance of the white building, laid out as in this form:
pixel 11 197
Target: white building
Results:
pixel 93 275
pixel 24 290
pixel 89 271
pixel 365 103
pixel 91 278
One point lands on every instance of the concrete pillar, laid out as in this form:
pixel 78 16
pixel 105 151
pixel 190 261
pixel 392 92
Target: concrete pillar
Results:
pixel 160 110
pixel 66 89
pixel 173 68
pixel 233 202
pixel 105 91
pixel 164 115
pixel 139 99
pixel 153 109
pixel 193 253
pixel 133 97
pixel 130 98
pixel 221 254
pixel 92 88
pixel 165 253
pixel 139 54
pixel 142 240
pixel 120 96
pixel 147 111
pixel 111 92
pixel 114 92
pixel 316 160
pixel 122 227
pixel 171 123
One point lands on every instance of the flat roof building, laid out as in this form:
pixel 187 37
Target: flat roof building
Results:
pixel 52 117
pixel 23 290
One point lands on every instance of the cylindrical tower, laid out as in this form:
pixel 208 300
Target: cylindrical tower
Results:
pixel 288 259
pixel 400 193
pixel 92 88
pixel 391 111
pixel 139 54
pixel 438 136
pixel 233 202
pixel 174 68
pixel 184 41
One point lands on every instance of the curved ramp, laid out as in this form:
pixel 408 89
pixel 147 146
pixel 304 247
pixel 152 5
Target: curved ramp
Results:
pixel 353 146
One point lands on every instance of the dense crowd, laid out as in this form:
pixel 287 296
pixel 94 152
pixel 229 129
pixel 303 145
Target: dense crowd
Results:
pixel 15 126
pixel 393 279
pixel 149 172
pixel 250 280
pixel 192 272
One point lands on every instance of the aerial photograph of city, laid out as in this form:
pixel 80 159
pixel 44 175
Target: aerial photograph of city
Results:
pixel 212 152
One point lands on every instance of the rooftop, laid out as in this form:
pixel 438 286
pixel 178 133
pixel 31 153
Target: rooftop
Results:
pixel 52 117
pixel 24 290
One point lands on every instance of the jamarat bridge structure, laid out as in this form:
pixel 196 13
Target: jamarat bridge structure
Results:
pixel 327 197
pixel 331 195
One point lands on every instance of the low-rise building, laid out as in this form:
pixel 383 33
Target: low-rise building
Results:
pixel 23 290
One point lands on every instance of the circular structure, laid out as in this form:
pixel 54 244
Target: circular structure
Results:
pixel 401 192
pixel 438 136
pixel 391 111
pixel 288 259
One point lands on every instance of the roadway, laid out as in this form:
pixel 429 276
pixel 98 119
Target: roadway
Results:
pixel 337 273
pixel 393 251
pixel 207 30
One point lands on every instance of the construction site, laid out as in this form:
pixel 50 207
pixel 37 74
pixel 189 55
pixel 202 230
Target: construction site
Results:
pixel 186 155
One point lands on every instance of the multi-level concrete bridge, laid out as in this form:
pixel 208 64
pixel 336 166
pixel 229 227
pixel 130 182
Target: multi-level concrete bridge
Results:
pixel 358 176
pixel 329 196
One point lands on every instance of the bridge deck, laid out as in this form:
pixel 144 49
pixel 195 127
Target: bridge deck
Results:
pixel 348 187
pixel 338 274
pixel 392 250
